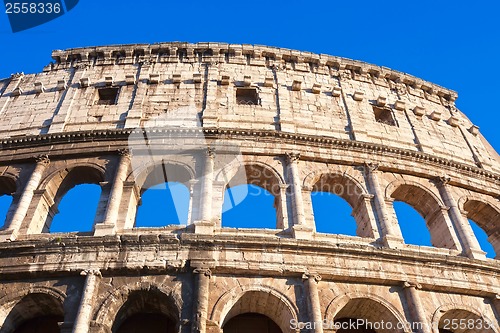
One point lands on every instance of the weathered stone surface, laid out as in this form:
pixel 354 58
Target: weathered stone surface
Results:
pixel 302 123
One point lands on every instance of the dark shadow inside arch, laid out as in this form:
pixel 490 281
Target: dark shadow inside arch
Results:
pixel 485 221
pixel 163 204
pixel 353 325
pixel 251 323
pixel 332 214
pixel 147 311
pixel 35 313
pixel 76 201
pixel 412 224
pixel 256 210
pixel 165 197
pixel 77 209
pixel 463 321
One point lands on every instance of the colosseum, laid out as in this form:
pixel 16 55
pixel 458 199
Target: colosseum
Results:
pixel 213 116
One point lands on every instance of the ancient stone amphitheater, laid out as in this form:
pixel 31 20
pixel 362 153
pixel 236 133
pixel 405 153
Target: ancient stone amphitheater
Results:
pixel 210 116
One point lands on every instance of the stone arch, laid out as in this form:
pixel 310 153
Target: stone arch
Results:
pixel 350 304
pixel 485 212
pixel 181 172
pixel 106 313
pixel 53 188
pixel 283 309
pixel 460 311
pixel 429 206
pixel 312 178
pixel 9 320
pixel 259 174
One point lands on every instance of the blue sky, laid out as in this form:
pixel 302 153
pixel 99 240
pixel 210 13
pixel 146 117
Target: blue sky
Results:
pixel 452 43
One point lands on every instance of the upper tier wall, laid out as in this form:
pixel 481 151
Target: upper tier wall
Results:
pixel 295 92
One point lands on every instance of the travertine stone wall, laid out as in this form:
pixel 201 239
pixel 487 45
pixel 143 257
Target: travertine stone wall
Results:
pixel 311 128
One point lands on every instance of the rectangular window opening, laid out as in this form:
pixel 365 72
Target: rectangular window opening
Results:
pixel 107 96
pixel 384 116
pixel 247 96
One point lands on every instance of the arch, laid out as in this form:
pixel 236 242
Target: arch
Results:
pixel 109 309
pixel 259 175
pixel 55 186
pixel 429 206
pixel 8 185
pixel 350 305
pixel 460 311
pixel 351 191
pixel 486 214
pixel 24 305
pixel 271 303
pixel 148 175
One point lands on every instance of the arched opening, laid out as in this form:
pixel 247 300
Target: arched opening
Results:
pixel 412 224
pixel 149 311
pixel 485 220
pixel 7 189
pixel 77 209
pixel 73 198
pixel 463 321
pixel 367 315
pixel 339 206
pixel 482 238
pixel 256 210
pixel 165 197
pixel 332 214
pixel 163 204
pixel 252 199
pixel 429 208
pixel 251 323
pixel 35 313
pixel 265 307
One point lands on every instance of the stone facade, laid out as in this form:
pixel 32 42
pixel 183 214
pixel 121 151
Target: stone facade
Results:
pixel 300 122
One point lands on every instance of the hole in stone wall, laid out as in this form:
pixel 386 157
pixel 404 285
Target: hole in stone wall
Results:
pixel 412 224
pixel 482 238
pixel 247 96
pixel 384 116
pixel 256 210
pixel 107 96
pixel 332 214
pixel 163 204
pixel 5 202
pixel 77 209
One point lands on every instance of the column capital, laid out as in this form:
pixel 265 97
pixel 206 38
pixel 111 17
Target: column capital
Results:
pixel 42 159
pixel 125 152
pixel 442 180
pixel 308 276
pixel 415 285
pixel 94 272
pixel 210 152
pixel 204 271
pixel 293 156
pixel 371 167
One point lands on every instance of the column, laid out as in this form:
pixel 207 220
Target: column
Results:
pixel 417 313
pixel 300 229
pixel 496 306
pixel 108 226
pixel 469 242
pixel 206 224
pixel 24 202
pixel 200 305
pixel 84 315
pixel 311 284
pixel 391 236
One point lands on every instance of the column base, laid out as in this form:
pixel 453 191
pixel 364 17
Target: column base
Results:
pixel 102 229
pixel 302 232
pixel 392 242
pixel 475 254
pixel 7 235
pixel 204 227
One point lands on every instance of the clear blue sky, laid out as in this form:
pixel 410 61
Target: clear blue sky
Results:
pixel 452 43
